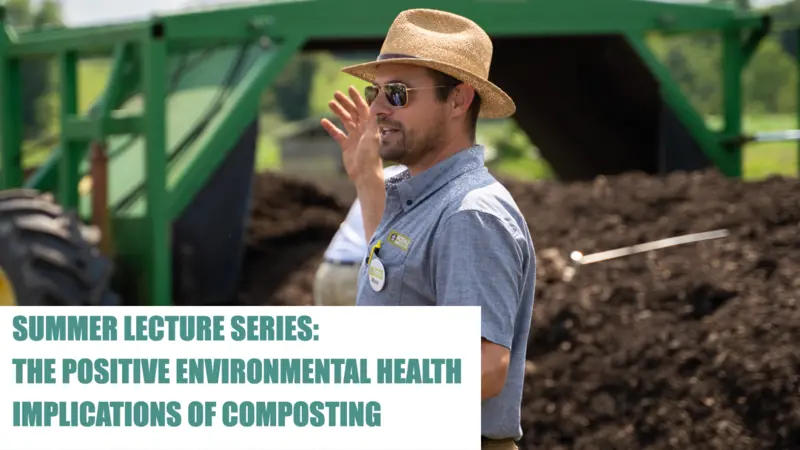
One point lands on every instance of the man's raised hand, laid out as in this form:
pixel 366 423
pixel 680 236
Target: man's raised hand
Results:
pixel 359 140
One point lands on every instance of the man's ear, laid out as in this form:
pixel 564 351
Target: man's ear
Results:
pixel 462 98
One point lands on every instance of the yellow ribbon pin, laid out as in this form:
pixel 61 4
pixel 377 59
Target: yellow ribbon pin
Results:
pixel 373 251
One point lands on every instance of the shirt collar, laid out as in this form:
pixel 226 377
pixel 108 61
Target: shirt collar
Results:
pixel 414 189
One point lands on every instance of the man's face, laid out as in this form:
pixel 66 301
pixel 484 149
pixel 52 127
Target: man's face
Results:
pixel 409 133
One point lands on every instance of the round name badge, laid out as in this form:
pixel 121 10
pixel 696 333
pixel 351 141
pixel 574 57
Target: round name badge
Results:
pixel 377 274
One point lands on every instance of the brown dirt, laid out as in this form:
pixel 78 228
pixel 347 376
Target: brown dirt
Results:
pixel 692 347
pixel 292 222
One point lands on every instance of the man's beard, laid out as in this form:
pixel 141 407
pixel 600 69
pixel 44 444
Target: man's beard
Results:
pixel 407 148
pixel 394 151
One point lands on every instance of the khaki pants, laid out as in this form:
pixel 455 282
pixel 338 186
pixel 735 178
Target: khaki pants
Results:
pixel 336 284
pixel 500 445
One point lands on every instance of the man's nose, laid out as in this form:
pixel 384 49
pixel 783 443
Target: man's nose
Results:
pixel 380 107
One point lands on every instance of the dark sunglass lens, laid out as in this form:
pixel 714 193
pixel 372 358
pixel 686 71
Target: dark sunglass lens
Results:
pixel 370 93
pixel 396 94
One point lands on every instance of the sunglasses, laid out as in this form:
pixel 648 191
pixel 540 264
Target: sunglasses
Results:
pixel 396 93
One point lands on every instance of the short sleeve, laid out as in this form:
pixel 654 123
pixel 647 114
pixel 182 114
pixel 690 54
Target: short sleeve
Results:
pixel 477 261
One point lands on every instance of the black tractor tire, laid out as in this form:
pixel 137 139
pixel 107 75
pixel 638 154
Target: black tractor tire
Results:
pixel 49 256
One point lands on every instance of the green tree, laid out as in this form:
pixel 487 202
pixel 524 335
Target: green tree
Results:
pixel 769 82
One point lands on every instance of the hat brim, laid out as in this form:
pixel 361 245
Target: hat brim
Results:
pixel 495 104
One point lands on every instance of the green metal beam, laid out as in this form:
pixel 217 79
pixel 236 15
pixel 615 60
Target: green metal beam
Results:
pixel 361 19
pixel 750 44
pixel 11 175
pixel 729 163
pixel 157 249
pixel 73 149
pixel 733 62
pixel 90 41
pixel 115 90
pixel 349 19
pixel 87 129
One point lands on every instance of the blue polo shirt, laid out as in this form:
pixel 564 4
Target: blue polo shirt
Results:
pixel 453 235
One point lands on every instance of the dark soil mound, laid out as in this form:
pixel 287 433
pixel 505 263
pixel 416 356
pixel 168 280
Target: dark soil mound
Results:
pixel 292 223
pixel 687 347
pixel 690 347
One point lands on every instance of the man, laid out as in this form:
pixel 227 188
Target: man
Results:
pixel 336 280
pixel 444 232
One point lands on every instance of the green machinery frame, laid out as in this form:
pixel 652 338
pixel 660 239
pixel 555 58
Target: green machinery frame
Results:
pixel 139 52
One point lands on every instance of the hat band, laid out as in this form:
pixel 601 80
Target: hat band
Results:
pixel 391 56
pixel 383 56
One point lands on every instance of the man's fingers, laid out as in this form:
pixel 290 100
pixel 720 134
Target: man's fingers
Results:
pixel 360 104
pixel 337 109
pixel 352 112
pixel 347 104
pixel 333 131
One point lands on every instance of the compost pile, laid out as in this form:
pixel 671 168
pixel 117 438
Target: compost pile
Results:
pixel 690 347
pixel 292 222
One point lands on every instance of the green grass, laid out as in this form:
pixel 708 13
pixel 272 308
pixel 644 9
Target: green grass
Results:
pixel 761 160
pixel 268 155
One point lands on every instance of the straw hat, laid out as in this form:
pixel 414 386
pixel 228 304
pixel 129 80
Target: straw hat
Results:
pixel 446 42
